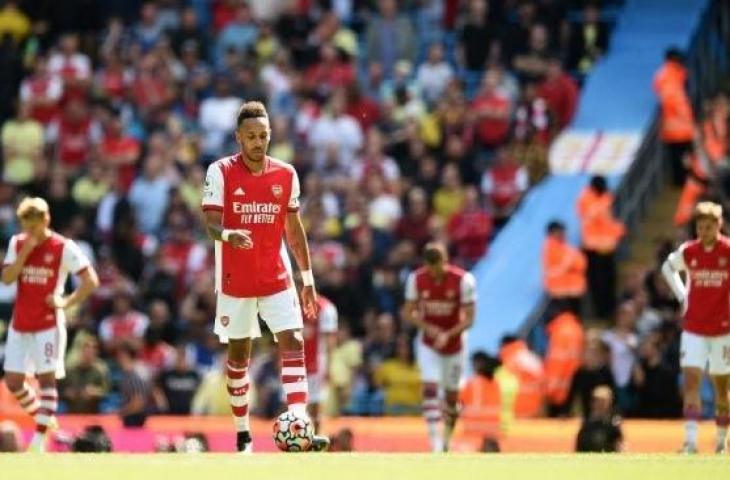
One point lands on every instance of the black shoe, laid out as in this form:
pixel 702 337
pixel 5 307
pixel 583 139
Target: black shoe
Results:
pixel 244 442
pixel 320 443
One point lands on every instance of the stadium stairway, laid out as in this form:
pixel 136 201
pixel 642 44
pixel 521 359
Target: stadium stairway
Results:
pixel 616 110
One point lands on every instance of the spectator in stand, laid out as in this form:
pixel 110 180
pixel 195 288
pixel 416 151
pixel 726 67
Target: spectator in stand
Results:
pixel 400 380
pixel 469 230
pixel 42 92
pixel 588 39
pixel 533 121
pixel 119 151
pixel 516 37
pixel 91 188
pixel 503 185
pixel 74 136
pixel 218 117
pixel 88 381
pixel 136 392
pixel 72 67
pixel 478 38
pixel 623 342
pixel 449 199
pixel 532 63
pixel 677 124
pixel 564 268
pixel 22 147
pixel 345 361
pixel 149 195
pixel 329 73
pixel 238 36
pixel 188 33
pixel 14 21
pixel 601 431
pixel 178 384
pixel 433 75
pixel 492 110
pixel 335 129
pixel 594 371
pixel 390 37
pixel 560 92
pixel 416 225
pixel 655 382
pixel 124 324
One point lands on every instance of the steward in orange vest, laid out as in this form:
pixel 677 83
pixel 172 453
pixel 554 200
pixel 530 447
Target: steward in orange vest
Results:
pixel 480 399
pixel 677 119
pixel 563 358
pixel 601 233
pixel 527 366
pixel 564 267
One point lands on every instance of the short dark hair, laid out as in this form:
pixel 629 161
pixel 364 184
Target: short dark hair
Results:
pixel 434 252
pixel 674 54
pixel 251 110
pixel 599 184
pixel 555 226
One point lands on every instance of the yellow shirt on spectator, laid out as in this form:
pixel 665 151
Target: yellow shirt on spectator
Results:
pixel 21 142
pixel 14 22
pixel 446 203
pixel 401 383
pixel 89 193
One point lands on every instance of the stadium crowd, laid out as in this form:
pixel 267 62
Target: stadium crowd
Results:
pixel 406 121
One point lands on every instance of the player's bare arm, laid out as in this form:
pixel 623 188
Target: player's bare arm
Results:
pixel 239 238
pixel 412 313
pixel 10 272
pixel 297 240
pixel 89 283
pixel 467 320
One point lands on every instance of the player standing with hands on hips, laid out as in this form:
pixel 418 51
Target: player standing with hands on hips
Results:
pixel 251 202
pixel 440 301
pixel 705 299
pixel 39 260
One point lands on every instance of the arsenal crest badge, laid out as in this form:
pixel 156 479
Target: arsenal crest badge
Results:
pixel 225 320
pixel 277 190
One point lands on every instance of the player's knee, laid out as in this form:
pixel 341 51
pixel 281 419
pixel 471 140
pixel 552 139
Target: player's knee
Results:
pixel 291 340
pixel 430 390
pixel 14 382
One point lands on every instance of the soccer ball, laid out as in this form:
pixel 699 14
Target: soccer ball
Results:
pixel 293 432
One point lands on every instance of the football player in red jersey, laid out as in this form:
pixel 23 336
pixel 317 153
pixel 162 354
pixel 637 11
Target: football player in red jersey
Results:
pixel 320 337
pixel 705 299
pixel 251 202
pixel 39 261
pixel 440 302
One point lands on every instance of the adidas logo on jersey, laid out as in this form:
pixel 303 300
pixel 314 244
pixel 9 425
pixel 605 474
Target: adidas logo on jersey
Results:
pixel 238 191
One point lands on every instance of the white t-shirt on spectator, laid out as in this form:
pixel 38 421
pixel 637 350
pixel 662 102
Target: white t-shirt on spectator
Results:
pixel 432 79
pixel 218 120
pixel 78 61
pixel 343 131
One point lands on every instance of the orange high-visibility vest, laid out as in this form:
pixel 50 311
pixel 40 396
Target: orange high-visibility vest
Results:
pixel 564 269
pixel 714 143
pixel 677 119
pixel 480 406
pixel 600 231
pixel 564 356
pixel 527 366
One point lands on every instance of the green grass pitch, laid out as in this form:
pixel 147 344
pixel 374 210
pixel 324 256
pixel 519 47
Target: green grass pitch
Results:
pixel 343 466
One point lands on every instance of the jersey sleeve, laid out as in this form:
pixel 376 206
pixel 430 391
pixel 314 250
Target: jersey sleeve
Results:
pixel 295 192
pixel 676 259
pixel 73 259
pixel 328 319
pixel 213 189
pixel 11 254
pixel 468 288
pixel 411 289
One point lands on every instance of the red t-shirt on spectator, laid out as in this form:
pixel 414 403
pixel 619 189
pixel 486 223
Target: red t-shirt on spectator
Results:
pixel 469 231
pixel 115 146
pixel 561 95
pixel 493 132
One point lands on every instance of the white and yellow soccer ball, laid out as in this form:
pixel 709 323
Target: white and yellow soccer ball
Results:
pixel 293 432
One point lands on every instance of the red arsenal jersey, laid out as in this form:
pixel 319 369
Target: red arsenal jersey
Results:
pixel 315 329
pixel 258 203
pixel 440 301
pixel 708 286
pixel 44 273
